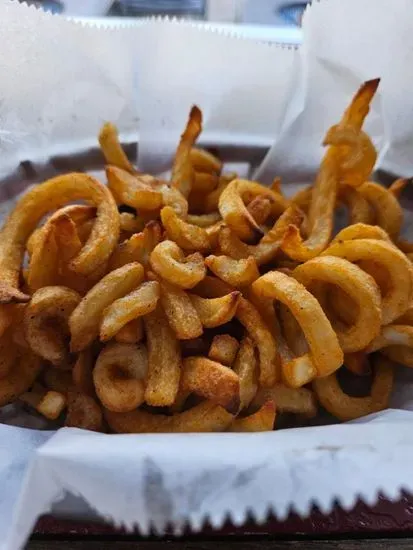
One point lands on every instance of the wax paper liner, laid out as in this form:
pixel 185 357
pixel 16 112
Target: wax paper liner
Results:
pixel 60 81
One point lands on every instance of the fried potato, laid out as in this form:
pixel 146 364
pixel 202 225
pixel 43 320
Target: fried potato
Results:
pixel 137 303
pixel 112 149
pixel 223 349
pixel 204 220
pixel 180 312
pixel 236 215
pixel 204 161
pixel 131 333
pixel 187 236
pixel 325 354
pixel 138 248
pixel 387 210
pixel 406 318
pixel 82 373
pixel 130 223
pixel 260 209
pixel 361 231
pixel 85 320
pixel 182 169
pixel 57 380
pixel 164 360
pixel 209 203
pixel 246 367
pixel 261 421
pixel 136 190
pixel 394 335
pixel 46 323
pixel 7 314
pixel 403 355
pixel 214 312
pixel 289 400
pixel 119 376
pixel 344 407
pixel 211 380
pixel 397 268
pixel 43 266
pixel 170 263
pixel 357 363
pixel 356 284
pixel 203 182
pixel 237 273
pixel 9 353
pixel 359 210
pixel 205 417
pixel 83 412
pixel 19 378
pixel 49 404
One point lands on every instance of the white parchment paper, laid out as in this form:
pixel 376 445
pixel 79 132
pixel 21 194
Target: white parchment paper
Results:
pixel 59 82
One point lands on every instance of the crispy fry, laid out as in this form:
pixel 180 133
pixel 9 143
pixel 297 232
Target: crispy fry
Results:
pixel 344 407
pixel 186 235
pixel 204 161
pixel 237 273
pixel 164 360
pixel 131 223
pixel 325 354
pixel 289 400
pixel 46 323
pixel 245 367
pixel 357 363
pixel 180 312
pixel 261 421
pixel 204 182
pixel 7 313
pixel 49 404
pixel 131 333
pixel 205 417
pixel 236 215
pixel 9 353
pixel 138 248
pixel 43 266
pixel 223 349
pixel 406 318
pixel 83 412
pixel 397 187
pixel 359 210
pixel 212 381
pixel 398 268
pixel 119 376
pixel 361 231
pixel 170 263
pixel 209 203
pixel 214 312
pixel 403 355
pixel 387 210
pixel 393 335
pixel 82 373
pixel 359 286
pixel 137 303
pixel 260 209
pixel 112 149
pixel 19 378
pixel 85 320
pixel 204 220
pixel 136 190
pixel 182 170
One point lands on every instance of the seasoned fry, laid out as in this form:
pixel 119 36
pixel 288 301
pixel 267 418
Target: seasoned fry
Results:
pixel 204 220
pixel 237 273
pixel 170 263
pixel 357 363
pixel 344 407
pixel 138 248
pixel 164 368
pixel 19 378
pixel 137 303
pixel 9 353
pixel 119 376
pixel 203 182
pixel 187 236
pixel 205 417
pixel 361 231
pixel 214 312
pixel 49 404
pixel 204 161
pixel 397 267
pixel 85 320
pixel 260 209
pixel 289 400
pixel 83 412
pixel 182 316
pixel 136 190
pixel 212 381
pixel 112 149
pixel 130 223
pixel 261 421
pixel 43 266
pixel 223 349
pixel 387 210
pixel 46 323
pixel 246 367
pixel 359 210
pixel 131 333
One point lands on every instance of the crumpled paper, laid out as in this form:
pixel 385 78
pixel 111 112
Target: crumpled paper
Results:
pixel 60 81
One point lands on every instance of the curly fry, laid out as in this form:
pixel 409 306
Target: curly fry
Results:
pixel 112 149
pixel 170 263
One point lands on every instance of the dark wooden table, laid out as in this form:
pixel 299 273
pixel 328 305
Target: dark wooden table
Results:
pixel 386 526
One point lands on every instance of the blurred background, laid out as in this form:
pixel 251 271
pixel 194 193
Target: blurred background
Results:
pixel 271 20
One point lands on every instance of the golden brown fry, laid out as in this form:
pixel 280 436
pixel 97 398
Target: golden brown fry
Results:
pixel 170 263
pixel 214 312
pixel 397 187
pixel 182 170
pixel 237 273
pixel 361 231
pixel 357 363
pixel 82 373
pixel 203 182
pixel 39 201
pixel 236 215
pixel 204 220
pixel 85 320
pixel 246 367
pixel 289 400
pixel 397 267
pixel 131 333
pixel 112 149
pixel 406 318
pixel 136 190
pixel 138 248
pixel 186 235
pixel 7 314
pixel 223 349
pixel 46 323
pixel 359 210
pixel 204 161
pixel 130 223
pixel 205 417
pixel 212 381
pixel 403 355
pixel 20 378
pixel 9 353
pixel 261 421
pixel 49 404
pixel 387 210
pixel 137 303
pixel 344 407
pixel 325 354
pixel 391 336
pixel 260 208
pixel 43 266
pixel 209 203
pixel 180 312
pixel 164 360
pixel 359 286
pixel 83 412
pixel 119 376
